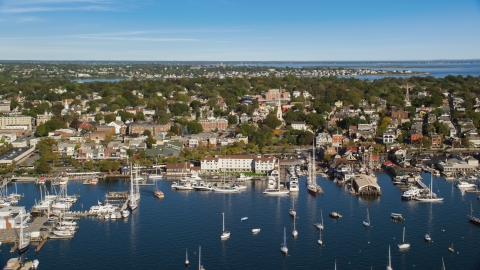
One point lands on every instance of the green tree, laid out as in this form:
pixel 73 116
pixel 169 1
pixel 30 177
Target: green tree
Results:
pixel 194 127
pixel 272 121
pixel 41 130
pixel 232 119
pixel 110 118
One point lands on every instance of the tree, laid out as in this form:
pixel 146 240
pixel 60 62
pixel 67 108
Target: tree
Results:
pixel 176 129
pixel 110 118
pixel 194 127
pixel 41 130
pixel 232 119
pixel 98 117
pixel 426 142
pixel 272 121
pixel 147 133
pixel 42 167
pixel 150 141
pixel 140 116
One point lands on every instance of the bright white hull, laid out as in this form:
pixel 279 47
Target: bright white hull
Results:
pixel 226 190
pixel 429 199
pixel 276 192
pixel 404 246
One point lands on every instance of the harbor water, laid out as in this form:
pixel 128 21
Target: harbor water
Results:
pixel 156 235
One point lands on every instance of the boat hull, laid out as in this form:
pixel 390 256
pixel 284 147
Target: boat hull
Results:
pixel 22 250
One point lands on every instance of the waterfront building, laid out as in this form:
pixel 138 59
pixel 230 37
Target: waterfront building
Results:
pixel 237 163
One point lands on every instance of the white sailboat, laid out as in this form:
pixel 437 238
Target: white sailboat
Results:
pixel 312 187
pixel 294 233
pixel 367 222
pixel 320 241
pixel 389 266
pixel 156 175
pixel 23 244
pixel 320 225
pixel 284 248
pixel 225 234
pixel 226 188
pixel 431 197
pixel 186 257
pixel 404 245
pixel 134 192
pixel 278 190
pixel 200 266
pixel 292 211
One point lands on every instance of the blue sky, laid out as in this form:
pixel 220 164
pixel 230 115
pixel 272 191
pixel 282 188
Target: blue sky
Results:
pixel 239 30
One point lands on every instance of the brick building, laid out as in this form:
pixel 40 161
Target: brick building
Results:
pixel 209 125
pixel 155 129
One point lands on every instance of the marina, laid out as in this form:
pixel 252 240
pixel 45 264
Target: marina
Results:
pixel 153 220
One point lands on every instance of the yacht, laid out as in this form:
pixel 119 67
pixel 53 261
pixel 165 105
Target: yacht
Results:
pixel 427 237
pixel 294 184
pixel 410 194
pixel 202 186
pixel 335 215
pixel 134 191
pixel 242 177
pixel 431 196
pixel 125 213
pixel 463 184
pixel 279 190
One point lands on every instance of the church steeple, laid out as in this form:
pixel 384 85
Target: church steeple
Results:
pixel 407 98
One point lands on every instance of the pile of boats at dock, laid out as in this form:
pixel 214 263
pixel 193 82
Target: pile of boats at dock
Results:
pixel 8 199
pixel 195 182
pixel 60 201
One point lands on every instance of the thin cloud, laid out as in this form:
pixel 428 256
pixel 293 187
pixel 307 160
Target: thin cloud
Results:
pixel 26 6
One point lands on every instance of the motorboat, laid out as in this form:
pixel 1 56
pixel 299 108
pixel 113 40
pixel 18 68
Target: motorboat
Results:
pixel 184 186
pixel 396 216
pixel 278 190
pixel 65 234
pixel 410 194
pixel 463 184
pixel 242 177
pixel 335 215
pixel 35 264
pixel 202 186
pixel 244 218
pixel 293 184
pixel 427 237
pixel 239 187
pixel 157 193
pixel 125 213
pixel 225 189
pixel 255 230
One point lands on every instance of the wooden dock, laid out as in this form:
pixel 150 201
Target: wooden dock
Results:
pixel 40 245
pixel 14 247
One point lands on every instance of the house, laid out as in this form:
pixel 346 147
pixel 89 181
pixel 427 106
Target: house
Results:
pixel 436 139
pixel 297 125
pixel 398 113
pixel 119 126
pixel 389 137
pixel 337 139
pixel 323 139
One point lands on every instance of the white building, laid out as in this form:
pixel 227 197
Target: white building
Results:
pixel 323 139
pixel 237 163
pixel 299 125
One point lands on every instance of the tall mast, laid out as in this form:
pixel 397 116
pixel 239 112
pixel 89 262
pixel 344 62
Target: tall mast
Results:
pixel 199 257
pixel 131 182
pixel 223 222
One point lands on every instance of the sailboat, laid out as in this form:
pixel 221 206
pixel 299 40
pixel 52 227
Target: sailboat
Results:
pixel 225 234
pixel 284 248
pixel 23 244
pixel 277 191
pixel 134 192
pixel 389 266
pixel 431 197
pixel 294 233
pixel 156 175
pixel 157 192
pixel 312 186
pixel 450 248
pixel 186 258
pixel 471 218
pixel 226 188
pixel 200 266
pixel 367 222
pixel 404 245
pixel 320 242
pixel 292 211
pixel 320 225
